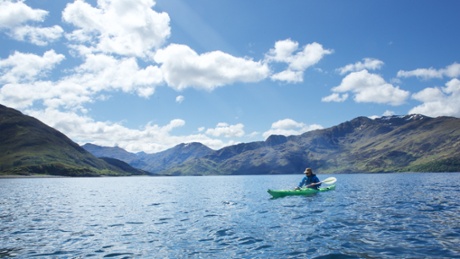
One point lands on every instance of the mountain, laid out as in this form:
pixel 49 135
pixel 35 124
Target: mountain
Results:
pixel 28 146
pixel 388 144
pixel 153 163
pixel 112 152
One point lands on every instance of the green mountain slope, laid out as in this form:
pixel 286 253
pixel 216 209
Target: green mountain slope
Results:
pixel 28 146
pixel 389 144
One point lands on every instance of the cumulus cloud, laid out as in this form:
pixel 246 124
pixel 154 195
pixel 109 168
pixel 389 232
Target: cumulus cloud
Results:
pixel 14 18
pixel 289 127
pixel 23 76
pixel 180 98
pixel 335 97
pixel 287 51
pixel 439 101
pixel 106 41
pixel 26 67
pixel 15 14
pixel 36 35
pixel 289 76
pixel 226 130
pixel 121 27
pixel 182 67
pixel 368 87
pixel 450 71
pixel 150 138
pixel 367 63
pixel 102 72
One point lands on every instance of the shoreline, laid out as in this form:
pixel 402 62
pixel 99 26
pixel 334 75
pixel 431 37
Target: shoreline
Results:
pixel 11 176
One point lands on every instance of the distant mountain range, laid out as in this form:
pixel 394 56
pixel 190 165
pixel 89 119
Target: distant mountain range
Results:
pixel 29 147
pixel 412 143
pixel 153 163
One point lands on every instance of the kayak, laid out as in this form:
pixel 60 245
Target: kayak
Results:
pixel 303 191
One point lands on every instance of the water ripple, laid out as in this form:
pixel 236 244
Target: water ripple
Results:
pixel 142 217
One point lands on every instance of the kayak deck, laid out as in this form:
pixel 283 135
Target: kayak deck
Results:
pixel 303 191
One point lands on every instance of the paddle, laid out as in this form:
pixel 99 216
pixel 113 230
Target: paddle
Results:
pixel 329 180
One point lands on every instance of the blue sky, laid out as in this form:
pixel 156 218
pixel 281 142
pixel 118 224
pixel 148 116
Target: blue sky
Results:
pixel 148 75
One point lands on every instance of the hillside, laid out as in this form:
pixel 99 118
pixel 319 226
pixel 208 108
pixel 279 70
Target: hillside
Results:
pixel 389 144
pixel 412 143
pixel 30 147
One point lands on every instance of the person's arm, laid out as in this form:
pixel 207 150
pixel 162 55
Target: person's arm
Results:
pixel 314 181
pixel 301 183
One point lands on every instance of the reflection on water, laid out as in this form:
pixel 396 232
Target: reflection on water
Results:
pixel 367 216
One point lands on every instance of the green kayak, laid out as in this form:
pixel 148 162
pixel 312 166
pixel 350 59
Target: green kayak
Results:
pixel 303 191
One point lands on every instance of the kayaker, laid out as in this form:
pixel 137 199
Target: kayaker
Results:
pixel 310 180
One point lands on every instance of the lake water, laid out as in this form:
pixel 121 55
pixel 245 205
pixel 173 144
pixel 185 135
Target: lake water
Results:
pixel 366 216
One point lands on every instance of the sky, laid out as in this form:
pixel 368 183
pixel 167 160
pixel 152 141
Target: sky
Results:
pixel 148 75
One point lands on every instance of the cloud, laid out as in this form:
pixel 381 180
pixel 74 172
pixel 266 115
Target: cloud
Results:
pixel 226 130
pixel 450 71
pixel 123 27
pixel 368 87
pixel 368 64
pixel 23 76
pixel 289 127
pixel 182 68
pixel 151 138
pixel 386 113
pixel 26 67
pixel 439 101
pixel 108 41
pixel 287 51
pixel 15 14
pixel 36 35
pixel 289 76
pixel 180 99
pixel 102 72
pixel 14 18
pixel 335 97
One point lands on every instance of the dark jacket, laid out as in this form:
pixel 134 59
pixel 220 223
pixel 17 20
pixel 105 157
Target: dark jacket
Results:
pixel 309 180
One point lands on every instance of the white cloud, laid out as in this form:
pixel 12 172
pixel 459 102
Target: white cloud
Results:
pixel 36 35
pixel 180 99
pixel 14 18
pixel 335 97
pixel 368 87
pixel 287 51
pixel 102 72
pixel 121 27
pixel 15 14
pixel 226 130
pixel 22 74
pixel 26 67
pixel 368 64
pixel 439 101
pixel 289 127
pixel 283 51
pixel 386 113
pixel 450 71
pixel 288 76
pixel 182 68
pixel 151 138
pixel 110 38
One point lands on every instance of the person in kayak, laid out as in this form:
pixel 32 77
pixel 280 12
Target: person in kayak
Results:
pixel 310 180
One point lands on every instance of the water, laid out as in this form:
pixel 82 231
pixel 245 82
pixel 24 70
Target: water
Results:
pixel 367 216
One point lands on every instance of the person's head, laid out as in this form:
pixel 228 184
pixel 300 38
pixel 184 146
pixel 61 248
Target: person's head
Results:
pixel 308 172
